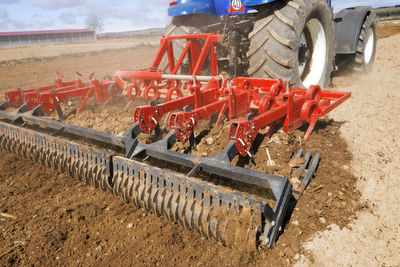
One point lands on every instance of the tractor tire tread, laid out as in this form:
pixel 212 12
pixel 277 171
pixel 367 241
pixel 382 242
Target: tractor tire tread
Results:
pixel 274 41
pixel 359 64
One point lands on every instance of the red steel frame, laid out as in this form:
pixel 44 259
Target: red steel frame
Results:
pixel 195 49
pixel 293 106
pixel 50 97
pixel 150 84
pixel 17 98
pixel 146 83
pixel 268 101
pixel 149 116
pixel 102 91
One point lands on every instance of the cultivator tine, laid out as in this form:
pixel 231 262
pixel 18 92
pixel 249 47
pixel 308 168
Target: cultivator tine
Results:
pixel 60 113
pixel 299 153
pixel 311 170
pixel 306 171
pixel 4 106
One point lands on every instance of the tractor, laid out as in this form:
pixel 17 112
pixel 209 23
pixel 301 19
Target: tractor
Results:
pixel 301 41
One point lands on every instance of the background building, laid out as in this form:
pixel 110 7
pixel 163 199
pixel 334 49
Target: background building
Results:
pixel 38 37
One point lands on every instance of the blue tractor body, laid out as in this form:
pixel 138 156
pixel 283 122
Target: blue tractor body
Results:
pixel 277 38
pixel 215 8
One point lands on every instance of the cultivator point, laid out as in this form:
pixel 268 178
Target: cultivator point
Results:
pixel 234 205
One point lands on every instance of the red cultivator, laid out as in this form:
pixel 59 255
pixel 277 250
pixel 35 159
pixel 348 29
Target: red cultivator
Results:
pixel 149 83
pixel 188 194
pixel 267 102
pixel 50 97
pixel 18 97
pixel 149 116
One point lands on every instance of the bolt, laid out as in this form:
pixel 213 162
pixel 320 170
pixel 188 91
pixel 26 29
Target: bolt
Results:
pixel 241 141
pixel 273 223
pixel 287 88
pixel 249 154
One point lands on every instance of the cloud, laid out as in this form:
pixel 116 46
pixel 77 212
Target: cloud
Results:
pixel 9 1
pixel 57 4
pixel 117 15
pixel 68 18
pixel 141 13
pixel 3 14
pixel 7 23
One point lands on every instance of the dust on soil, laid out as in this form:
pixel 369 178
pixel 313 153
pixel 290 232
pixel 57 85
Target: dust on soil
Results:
pixel 63 221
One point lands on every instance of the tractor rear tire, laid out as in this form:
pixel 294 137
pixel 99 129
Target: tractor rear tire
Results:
pixel 178 45
pixel 364 57
pixel 295 43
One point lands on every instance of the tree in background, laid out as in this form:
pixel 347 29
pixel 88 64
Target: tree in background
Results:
pixel 94 22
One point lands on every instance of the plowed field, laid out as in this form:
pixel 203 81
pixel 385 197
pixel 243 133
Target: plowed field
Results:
pixel 348 214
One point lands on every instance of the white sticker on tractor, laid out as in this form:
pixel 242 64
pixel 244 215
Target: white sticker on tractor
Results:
pixel 236 6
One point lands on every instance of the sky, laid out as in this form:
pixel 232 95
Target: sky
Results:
pixel 118 15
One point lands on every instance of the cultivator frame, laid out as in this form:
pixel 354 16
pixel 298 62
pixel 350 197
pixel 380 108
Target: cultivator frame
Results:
pixel 50 97
pixel 202 194
pixel 149 83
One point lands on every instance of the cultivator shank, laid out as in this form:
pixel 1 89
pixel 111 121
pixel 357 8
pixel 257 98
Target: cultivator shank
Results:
pixel 234 205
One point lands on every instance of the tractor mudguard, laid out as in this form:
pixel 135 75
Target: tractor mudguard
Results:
pixel 256 2
pixel 211 7
pixel 215 8
pixel 348 23
pixel 192 7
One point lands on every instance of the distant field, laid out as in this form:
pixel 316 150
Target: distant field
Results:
pixel 37 52
pixel 388 12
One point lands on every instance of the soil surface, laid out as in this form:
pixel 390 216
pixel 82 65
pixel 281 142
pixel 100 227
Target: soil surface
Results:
pixel 346 209
pixel 372 119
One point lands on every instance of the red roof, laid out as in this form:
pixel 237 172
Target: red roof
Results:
pixel 45 32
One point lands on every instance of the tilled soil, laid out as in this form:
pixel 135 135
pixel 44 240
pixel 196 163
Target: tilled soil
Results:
pixel 371 132
pixel 61 221
pixel 15 55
